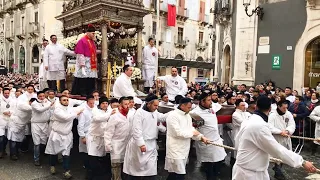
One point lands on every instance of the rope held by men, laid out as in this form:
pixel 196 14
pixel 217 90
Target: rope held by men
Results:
pixel 272 159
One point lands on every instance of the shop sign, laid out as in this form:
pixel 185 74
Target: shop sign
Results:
pixel 312 74
pixel 276 62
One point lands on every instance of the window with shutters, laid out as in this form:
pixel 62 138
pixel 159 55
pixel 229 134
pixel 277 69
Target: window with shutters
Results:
pixel 180 34
pixel 36 17
pixel 200 37
pixel 22 25
pixel 154 27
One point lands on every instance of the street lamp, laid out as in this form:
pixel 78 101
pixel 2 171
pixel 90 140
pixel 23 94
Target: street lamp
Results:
pixel 258 10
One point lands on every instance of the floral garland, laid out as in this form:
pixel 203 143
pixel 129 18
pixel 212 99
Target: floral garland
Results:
pixel 70 42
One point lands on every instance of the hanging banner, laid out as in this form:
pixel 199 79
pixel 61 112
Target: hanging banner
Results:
pixel 171 15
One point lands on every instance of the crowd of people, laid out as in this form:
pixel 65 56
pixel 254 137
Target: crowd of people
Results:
pixel 118 136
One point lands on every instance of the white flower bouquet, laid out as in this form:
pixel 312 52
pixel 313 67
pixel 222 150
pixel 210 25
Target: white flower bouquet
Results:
pixel 70 42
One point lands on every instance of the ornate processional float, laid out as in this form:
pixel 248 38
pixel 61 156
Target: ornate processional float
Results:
pixel 120 36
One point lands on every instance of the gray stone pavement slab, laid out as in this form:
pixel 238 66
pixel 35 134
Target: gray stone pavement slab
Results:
pixel 24 169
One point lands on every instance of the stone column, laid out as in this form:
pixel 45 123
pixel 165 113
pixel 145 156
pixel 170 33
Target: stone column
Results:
pixel 104 49
pixel 139 46
pixel 104 55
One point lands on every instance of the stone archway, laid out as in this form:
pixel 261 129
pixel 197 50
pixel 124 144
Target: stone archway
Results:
pixel 35 54
pixel 22 60
pixel 11 60
pixel 179 57
pixel 312 63
pixel 199 59
pixel 226 64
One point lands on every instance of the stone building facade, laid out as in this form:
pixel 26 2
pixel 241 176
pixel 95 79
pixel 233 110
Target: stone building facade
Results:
pixel 23 25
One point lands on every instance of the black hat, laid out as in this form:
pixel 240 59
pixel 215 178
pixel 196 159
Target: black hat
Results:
pixel 184 101
pixel 151 97
pixel 103 99
pixel 91 28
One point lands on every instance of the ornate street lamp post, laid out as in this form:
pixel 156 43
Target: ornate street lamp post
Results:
pixel 258 10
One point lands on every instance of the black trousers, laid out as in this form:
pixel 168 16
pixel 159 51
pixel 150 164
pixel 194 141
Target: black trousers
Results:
pixel 212 169
pixel 26 143
pixel 52 84
pixel 175 176
pixel 100 168
pixel 129 177
pixel 83 86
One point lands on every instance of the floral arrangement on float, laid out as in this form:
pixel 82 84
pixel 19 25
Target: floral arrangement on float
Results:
pixel 117 70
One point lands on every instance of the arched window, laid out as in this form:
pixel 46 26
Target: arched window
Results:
pixel 312 64
pixel 11 60
pixel 22 58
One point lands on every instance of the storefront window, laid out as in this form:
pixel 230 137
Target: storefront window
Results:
pixel 312 64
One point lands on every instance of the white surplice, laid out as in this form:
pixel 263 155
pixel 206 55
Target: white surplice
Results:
pixel 116 136
pixel 255 145
pixel 209 153
pixel 144 132
pixel 278 123
pixel 84 121
pixel 149 65
pixel 61 137
pixel 179 134
pixel 39 121
pixel 95 139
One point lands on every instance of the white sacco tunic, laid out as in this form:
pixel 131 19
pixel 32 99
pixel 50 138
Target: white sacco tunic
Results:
pixel 174 86
pixel 149 65
pixel 237 118
pixel 116 136
pixel 209 153
pixel 18 121
pixel 84 121
pixel 315 116
pixel 144 132
pixel 54 58
pixel 39 121
pixel 278 124
pixel 6 105
pixel 123 87
pixel 179 134
pixel 95 140
pixel 61 138
pixel 24 99
pixel 255 145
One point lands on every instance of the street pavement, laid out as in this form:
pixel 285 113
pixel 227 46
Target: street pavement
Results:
pixel 24 169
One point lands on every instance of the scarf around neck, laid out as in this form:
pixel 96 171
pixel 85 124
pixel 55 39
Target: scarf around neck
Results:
pixel 262 115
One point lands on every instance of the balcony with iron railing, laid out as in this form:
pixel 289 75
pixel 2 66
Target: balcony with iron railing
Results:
pixel 201 46
pixel 180 43
pixel 34 29
pixel 183 14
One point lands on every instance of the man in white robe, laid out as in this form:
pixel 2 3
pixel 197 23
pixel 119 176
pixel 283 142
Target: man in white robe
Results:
pixel 141 152
pixel 255 145
pixel 16 126
pixel 116 137
pixel 212 157
pixel 99 160
pixel 7 107
pixel 149 64
pixel 238 117
pixel 39 124
pixel 179 134
pixel 24 99
pixel 122 86
pixel 53 60
pixel 175 84
pixel 84 121
pixel 165 100
pixel 282 125
pixel 42 72
pixel 61 137
pixel 131 107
